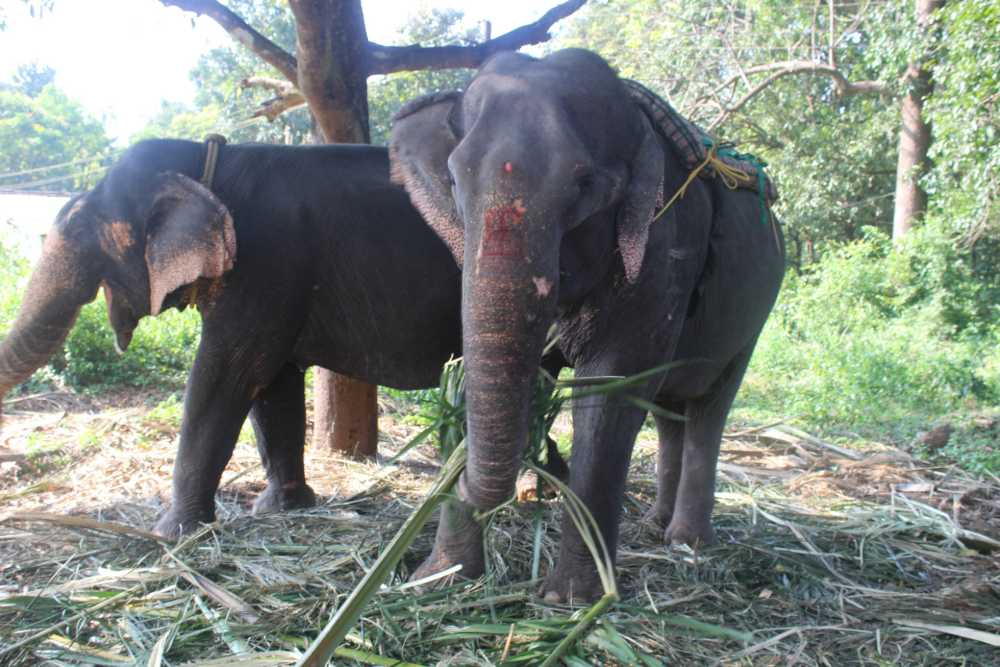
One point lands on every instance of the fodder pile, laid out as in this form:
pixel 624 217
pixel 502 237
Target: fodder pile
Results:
pixel 826 557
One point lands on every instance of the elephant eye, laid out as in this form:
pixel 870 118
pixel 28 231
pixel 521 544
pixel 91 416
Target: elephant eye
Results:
pixel 585 181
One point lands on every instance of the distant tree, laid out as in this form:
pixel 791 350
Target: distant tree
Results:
pixel 180 121
pixel 47 128
pixel 31 78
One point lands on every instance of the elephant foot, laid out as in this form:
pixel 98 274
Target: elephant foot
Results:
pixel 459 541
pixel 280 498
pixel 572 584
pixel 175 523
pixel 658 516
pixel 471 559
pixel 694 533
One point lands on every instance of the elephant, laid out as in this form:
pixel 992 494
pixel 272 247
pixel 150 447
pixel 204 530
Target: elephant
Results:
pixel 295 256
pixel 544 178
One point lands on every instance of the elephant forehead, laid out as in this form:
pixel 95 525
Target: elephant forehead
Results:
pixel 116 237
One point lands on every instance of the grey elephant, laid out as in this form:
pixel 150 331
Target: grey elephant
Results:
pixel 544 178
pixel 294 255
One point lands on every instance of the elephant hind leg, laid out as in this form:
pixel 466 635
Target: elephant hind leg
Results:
pixel 691 521
pixel 279 421
pixel 668 463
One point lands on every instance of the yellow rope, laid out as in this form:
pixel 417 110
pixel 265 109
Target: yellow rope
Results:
pixel 683 188
pixel 730 175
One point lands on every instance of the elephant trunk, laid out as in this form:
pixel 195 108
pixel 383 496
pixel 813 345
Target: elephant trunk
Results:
pixel 508 306
pixel 60 285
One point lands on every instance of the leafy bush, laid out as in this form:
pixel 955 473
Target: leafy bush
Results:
pixel 161 352
pixel 875 337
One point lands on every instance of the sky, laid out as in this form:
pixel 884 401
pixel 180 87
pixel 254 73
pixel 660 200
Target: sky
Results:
pixel 121 58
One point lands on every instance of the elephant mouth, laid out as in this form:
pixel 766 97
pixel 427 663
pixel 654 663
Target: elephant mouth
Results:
pixel 122 340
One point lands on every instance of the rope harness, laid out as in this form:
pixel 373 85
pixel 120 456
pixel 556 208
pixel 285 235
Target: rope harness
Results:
pixel 212 144
pixel 732 177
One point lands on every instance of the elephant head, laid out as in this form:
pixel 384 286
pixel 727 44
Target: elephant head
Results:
pixel 542 177
pixel 142 233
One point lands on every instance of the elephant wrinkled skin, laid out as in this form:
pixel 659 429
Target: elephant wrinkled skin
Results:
pixel 297 256
pixel 543 178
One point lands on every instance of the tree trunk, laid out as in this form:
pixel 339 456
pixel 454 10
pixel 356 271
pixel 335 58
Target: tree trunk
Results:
pixel 914 136
pixel 332 75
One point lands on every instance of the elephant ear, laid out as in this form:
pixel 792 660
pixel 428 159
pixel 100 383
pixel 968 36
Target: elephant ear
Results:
pixel 643 197
pixel 189 235
pixel 422 140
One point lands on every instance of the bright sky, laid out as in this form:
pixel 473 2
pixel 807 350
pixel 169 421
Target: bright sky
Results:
pixel 120 58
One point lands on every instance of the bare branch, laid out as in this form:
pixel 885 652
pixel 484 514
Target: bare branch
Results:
pixel 840 80
pixel 388 59
pixel 276 106
pixel 279 86
pixel 780 70
pixel 268 51
pixel 287 96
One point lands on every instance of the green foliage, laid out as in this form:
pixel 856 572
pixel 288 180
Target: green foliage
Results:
pixel 31 78
pixel 965 112
pixel 161 352
pixel 876 338
pixel 41 127
pixel 178 121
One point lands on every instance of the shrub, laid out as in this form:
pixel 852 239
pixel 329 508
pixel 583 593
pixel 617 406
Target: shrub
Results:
pixel 871 337
pixel 161 352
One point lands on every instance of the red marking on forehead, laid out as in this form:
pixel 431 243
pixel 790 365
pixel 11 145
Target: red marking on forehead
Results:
pixel 508 167
pixel 501 238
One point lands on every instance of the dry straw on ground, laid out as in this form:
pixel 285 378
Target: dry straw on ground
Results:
pixel 826 557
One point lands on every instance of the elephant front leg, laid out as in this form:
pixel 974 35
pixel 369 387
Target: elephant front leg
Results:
pixel 604 431
pixel 214 411
pixel 278 416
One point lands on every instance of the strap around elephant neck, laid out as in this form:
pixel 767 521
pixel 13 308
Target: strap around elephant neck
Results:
pixel 212 144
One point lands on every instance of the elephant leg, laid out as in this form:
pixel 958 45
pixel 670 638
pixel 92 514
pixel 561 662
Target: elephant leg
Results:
pixel 604 431
pixel 459 537
pixel 215 406
pixel 668 464
pixel 278 416
pixel 691 522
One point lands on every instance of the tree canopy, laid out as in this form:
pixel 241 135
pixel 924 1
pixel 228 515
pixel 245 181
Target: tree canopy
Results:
pixel 41 126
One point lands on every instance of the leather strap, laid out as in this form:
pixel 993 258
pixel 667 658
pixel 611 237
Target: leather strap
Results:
pixel 212 144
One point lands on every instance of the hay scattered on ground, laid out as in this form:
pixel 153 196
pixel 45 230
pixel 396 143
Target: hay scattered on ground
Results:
pixel 826 557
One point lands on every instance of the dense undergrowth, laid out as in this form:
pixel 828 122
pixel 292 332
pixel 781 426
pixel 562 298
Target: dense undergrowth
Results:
pixel 867 342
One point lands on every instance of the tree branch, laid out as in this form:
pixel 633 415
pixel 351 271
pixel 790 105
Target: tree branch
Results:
pixel 268 51
pixel 287 96
pixel 388 59
pixel 840 80
pixel 780 70
pixel 276 106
